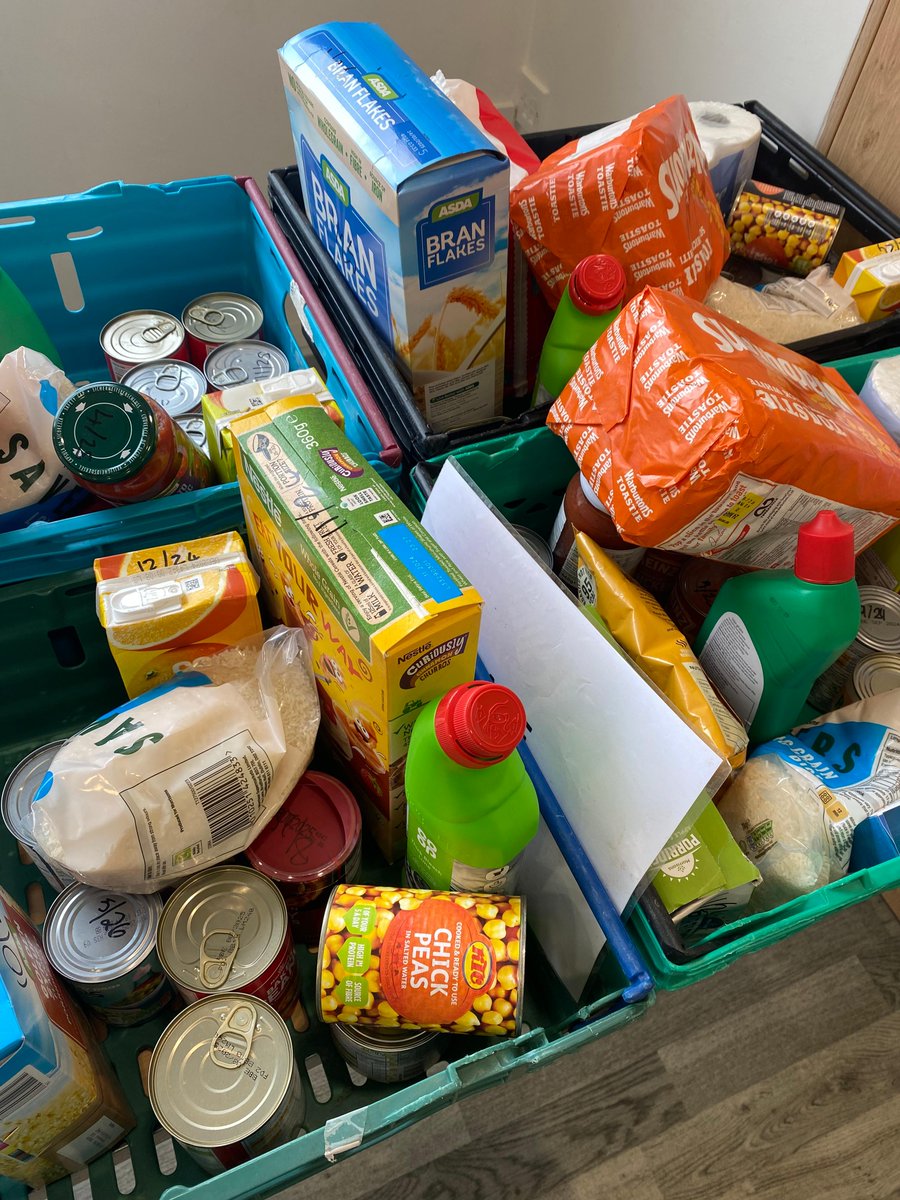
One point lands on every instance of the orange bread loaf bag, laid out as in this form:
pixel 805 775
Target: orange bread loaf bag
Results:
pixel 703 437
pixel 638 190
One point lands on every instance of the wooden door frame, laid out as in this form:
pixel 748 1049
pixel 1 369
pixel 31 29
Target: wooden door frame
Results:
pixel 864 39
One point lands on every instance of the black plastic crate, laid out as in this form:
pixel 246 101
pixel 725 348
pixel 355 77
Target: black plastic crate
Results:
pixel 784 158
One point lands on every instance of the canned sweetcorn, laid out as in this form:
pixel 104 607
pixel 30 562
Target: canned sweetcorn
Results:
pixel 217 319
pixel 387 1055
pixel 139 337
pixel 17 798
pixel 104 945
pixel 227 930
pixel 416 959
pixel 224 1083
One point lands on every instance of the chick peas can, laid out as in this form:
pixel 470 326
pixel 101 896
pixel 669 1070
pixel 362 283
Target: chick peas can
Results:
pixel 409 958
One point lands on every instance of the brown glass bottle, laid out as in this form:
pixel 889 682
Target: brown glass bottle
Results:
pixel 582 510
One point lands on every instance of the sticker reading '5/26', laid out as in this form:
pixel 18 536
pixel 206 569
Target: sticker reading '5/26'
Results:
pixel 456 238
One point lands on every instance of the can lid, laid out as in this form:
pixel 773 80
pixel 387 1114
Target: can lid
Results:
pixel 879 627
pixel 478 724
pixel 876 674
pixel 21 788
pixel 825 551
pixel 105 432
pixel 92 935
pixel 222 317
pixel 176 386
pixel 597 284
pixel 237 363
pixel 220 1070
pixel 312 833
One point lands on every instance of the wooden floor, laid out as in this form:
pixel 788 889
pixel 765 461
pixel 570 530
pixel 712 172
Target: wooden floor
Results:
pixel 776 1079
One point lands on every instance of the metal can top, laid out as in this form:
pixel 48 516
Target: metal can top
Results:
pixel 313 832
pixel 195 428
pixel 92 936
pixel 536 543
pixel 880 625
pixel 142 335
pixel 222 317
pixel 221 928
pixel 244 362
pixel 20 789
pixel 220 1070
pixel 876 674
pixel 105 432
pixel 388 1041
pixel 176 386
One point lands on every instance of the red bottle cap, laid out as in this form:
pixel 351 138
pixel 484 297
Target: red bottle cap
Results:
pixel 597 284
pixel 825 552
pixel 479 724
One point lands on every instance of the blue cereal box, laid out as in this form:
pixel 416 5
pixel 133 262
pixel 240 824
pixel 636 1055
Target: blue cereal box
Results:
pixel 412 203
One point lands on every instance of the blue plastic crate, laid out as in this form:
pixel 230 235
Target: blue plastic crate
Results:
pixel 159 246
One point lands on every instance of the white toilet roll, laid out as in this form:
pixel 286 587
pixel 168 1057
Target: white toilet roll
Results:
pixel 881 394
pixel 729 137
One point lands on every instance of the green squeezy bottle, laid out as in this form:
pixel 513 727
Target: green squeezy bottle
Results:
pixel 589 305
pixel 20 324
pixel 472 808
pixel 770 634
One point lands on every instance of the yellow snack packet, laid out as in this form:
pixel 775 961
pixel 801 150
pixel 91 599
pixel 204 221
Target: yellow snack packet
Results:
pixel 651 640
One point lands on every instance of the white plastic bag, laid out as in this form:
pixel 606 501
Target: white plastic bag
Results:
pixel 187 775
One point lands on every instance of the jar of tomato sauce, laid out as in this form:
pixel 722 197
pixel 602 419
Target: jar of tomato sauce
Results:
pixel 125 447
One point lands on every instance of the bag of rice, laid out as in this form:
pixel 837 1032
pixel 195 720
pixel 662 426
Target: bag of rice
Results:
pixel 794 806
pixel 187 775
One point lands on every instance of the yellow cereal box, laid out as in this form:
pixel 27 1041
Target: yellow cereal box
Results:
pixel 393 623
pixel 871 275
pixel 156 604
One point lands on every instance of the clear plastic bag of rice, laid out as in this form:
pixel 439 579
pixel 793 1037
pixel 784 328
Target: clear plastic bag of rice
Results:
pixel 788 310
pixel 795 804
pixel 187 775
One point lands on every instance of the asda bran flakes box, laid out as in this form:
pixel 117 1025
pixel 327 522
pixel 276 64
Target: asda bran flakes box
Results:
pixel 411 201
pixel 392 622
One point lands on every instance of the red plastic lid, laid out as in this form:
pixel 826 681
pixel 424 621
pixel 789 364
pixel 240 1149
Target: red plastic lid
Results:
pixel 597 284
pixel 478 724
pixel 825 551
pixel 313 832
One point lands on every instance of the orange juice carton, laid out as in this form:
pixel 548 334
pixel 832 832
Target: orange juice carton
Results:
pixel 411 200
pixel 871 275
pixel 392 622
pixel 170 604
pixel 219 408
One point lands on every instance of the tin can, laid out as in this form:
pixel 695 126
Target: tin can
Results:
pixel 416 959
pixel 227 930
pixel 18 795
pixel 658 572
pixel 104 944
pixel 699 582
pixel 124 447
pixel 873 675
pixel 244 362
pixel 311 844
pixel 140 337
pixel 536 545
pixel 178 387
pixel 879 632
pixel 224 1083
pixel 217 319
pixel 195 428
pixel 387 1055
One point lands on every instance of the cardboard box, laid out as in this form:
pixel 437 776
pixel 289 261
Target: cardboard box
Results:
pixel 393 623
pixel 872 277
pixel 412 203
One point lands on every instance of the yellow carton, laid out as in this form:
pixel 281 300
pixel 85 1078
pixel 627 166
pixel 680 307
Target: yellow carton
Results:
pixel 872 277
pixel 156 604
pixel 393 623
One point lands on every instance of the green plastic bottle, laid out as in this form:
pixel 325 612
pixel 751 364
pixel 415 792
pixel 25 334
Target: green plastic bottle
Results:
pixel 20 324
pixel 472 808
pixel 591 302
pixel 770 634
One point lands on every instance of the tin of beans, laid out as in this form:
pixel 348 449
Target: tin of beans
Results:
pixel 125 447
pixel 139 337
pixel 782 228
pixel 696 588
pixel 217 319
pixel 18 795
pixel 415 959
pixel 879 632
pixel 178 387
pixel 227 930
pixel 873 675
pixel 244 362
pixel 387 1055
pixel 311 844
pixel 224 1083
pixel 104 945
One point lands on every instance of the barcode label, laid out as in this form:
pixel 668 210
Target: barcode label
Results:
pixel 21 1093
pixel 220 790
pixel 194 584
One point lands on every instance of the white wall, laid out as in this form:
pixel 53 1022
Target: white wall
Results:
pixel 163 89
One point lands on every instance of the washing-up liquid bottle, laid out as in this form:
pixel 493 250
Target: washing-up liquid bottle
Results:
pixel 20 324
pixel 591 302
pixel 472 808
pixel 770 634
